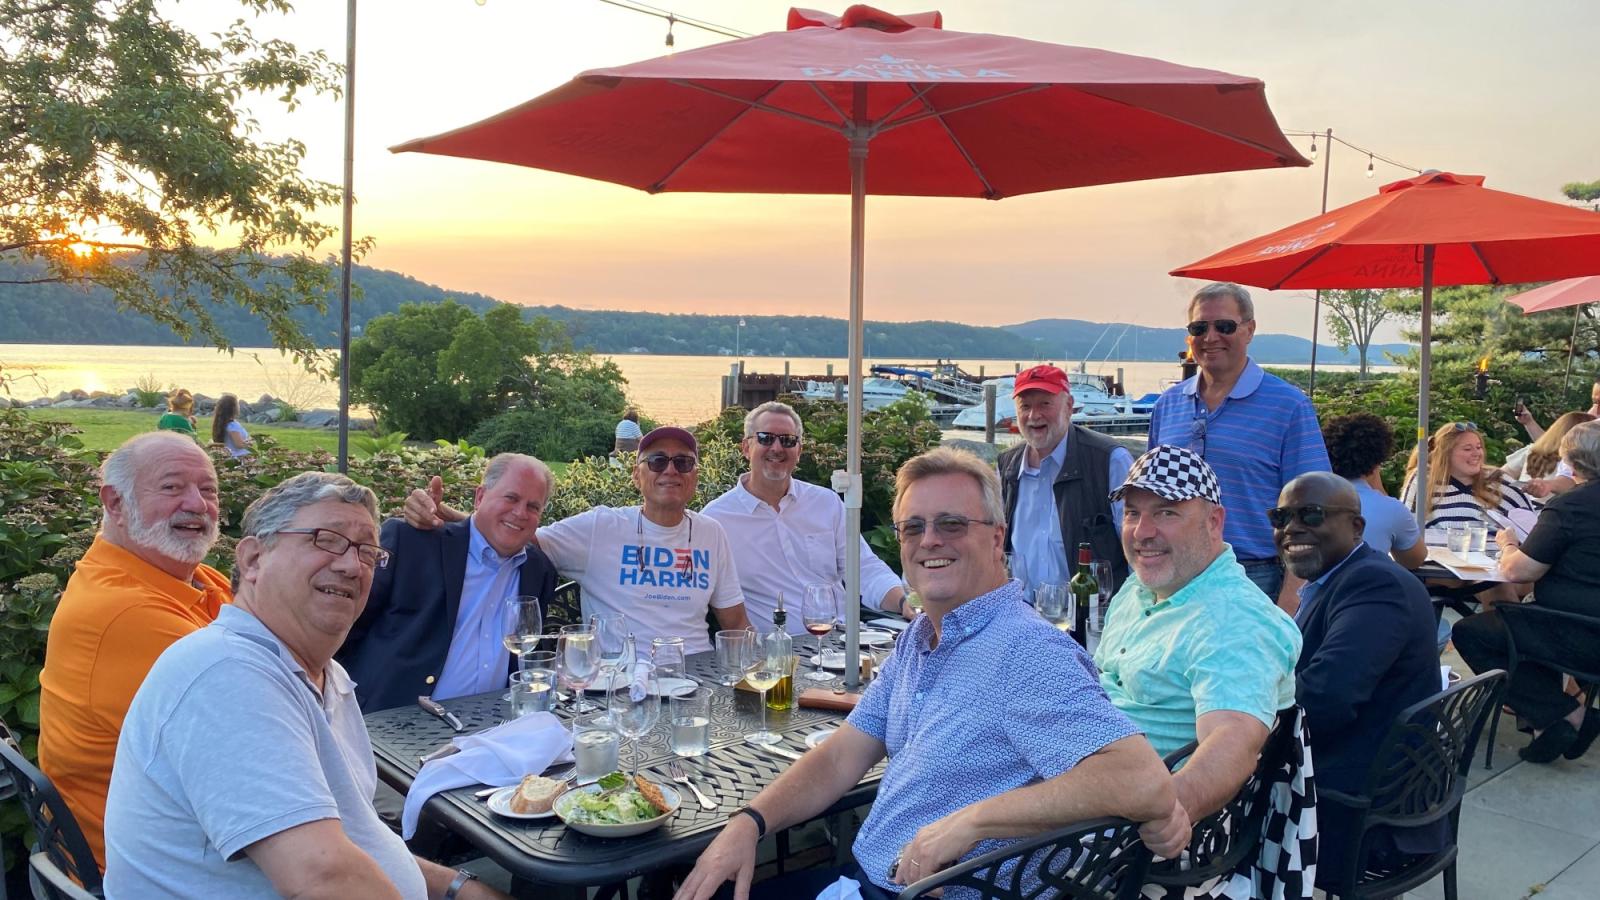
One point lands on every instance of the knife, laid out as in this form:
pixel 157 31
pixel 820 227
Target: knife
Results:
pixel 780 751
pixel 433 707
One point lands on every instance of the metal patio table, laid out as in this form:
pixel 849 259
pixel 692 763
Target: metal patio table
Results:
pixel 547 852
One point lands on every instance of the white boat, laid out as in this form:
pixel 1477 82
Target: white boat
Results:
pixel 876 392
pixel 1093 405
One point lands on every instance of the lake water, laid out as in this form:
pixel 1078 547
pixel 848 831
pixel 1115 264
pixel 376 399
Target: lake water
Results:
pixel 677 389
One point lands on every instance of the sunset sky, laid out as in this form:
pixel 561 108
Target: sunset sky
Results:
pixel 1506 90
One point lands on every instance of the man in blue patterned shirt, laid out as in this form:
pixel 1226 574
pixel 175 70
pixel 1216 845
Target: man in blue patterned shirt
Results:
pixel 992 719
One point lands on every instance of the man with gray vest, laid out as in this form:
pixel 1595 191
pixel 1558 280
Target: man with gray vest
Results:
pixel 1055 484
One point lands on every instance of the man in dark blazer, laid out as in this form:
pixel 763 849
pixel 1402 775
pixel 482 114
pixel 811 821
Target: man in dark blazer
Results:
pixel 1368 650
pixel 433 624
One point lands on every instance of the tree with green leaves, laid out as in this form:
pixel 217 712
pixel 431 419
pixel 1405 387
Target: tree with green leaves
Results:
pixel 1474 322
pixel 1582 191
pixel 1353 317
pixel 127 152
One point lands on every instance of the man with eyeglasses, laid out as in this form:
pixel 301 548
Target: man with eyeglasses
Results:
pixel 658 565
pixel 434 624
pixel 1368 652
pixel 1056 483
pixel 785 533
pixel 141 586
pixel 991 720
pixel 1190 651
pixel 244 768
pixel 1255 430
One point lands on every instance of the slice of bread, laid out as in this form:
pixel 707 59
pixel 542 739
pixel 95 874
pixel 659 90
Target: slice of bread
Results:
pixel 535 795
pixel 652 794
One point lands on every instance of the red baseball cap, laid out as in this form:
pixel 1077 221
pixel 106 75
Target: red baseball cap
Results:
pixel 1041 378
pixel 666 432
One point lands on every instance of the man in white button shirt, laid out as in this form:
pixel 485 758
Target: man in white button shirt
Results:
pixel 786 533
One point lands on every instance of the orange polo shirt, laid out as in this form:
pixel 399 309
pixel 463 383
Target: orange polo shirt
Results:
pixel 116 616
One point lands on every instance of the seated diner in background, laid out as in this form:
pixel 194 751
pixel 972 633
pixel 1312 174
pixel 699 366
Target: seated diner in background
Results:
pixel 1536 431
pixel 180 413
pixel 1358 446
pixel 1539 464
pixel 1561 556
pixel 990 717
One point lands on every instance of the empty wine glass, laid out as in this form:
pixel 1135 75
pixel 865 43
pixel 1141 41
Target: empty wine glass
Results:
pixel 611 630
pixel 818 610
pixel 578 662
pixel 636 705
pixel 733 648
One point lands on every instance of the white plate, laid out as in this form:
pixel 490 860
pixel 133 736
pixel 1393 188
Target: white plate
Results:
pixel 815 738
pixel 873 638
pixel 832 660
pixel 632 828
pixel 500 804
pixel 665 686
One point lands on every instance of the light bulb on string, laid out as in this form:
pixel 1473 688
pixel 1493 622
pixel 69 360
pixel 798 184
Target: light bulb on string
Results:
pixel 1369 165
pixel 670 19
pixel 1313 148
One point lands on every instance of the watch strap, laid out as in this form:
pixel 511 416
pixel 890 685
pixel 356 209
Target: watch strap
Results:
pixel 457 883
pixel 760 820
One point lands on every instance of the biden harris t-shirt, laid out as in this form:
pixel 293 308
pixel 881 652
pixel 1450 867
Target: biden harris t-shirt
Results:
pixel 660 579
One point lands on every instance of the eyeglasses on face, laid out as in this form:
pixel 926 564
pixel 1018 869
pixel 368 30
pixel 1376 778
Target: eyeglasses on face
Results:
pixel 371 555
pixel 1312 514
pixel 948 525
pixel 1223 326
pixel 787 441
pixel 1464 426
pixel 683 462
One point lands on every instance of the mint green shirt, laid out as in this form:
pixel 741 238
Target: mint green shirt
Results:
pixel 1216 644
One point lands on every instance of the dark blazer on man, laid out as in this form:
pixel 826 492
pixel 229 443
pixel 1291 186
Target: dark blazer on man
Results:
pixel 397 647
pixel 1368 650
pixel 1082 490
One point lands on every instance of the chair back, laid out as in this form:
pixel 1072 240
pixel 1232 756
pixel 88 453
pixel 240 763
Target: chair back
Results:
pixel 566 607
pixel 50 883
pixel 1218 843
pixel 1420 771
pixel 1102 859
pixel 54 827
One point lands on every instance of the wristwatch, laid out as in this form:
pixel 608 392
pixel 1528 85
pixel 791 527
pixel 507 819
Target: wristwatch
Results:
pixel 457 883
pixel 760 820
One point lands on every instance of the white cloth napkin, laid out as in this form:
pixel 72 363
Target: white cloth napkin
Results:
pixel 843 889
pixel 496 757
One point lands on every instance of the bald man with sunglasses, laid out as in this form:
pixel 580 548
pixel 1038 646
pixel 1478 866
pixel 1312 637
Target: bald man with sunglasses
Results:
pixel 658 565
pixel 786 533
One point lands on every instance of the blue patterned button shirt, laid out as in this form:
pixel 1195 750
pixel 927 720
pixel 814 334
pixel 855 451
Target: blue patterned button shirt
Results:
pixel 1005 700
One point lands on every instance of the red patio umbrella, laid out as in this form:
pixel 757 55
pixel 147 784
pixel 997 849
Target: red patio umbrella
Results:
pixel 1573 292
pixel 1434 229
pixel 943 113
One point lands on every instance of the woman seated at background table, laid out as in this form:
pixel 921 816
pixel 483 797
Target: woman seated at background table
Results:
pixel 1461 488
pixel 1562 557
pixel 1539 463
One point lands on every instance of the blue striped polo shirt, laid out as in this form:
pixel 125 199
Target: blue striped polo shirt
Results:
pixel 1263 434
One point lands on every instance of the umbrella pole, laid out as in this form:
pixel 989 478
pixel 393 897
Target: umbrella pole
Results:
pixel 1423 489
pixel 1572 347
pixel 852 495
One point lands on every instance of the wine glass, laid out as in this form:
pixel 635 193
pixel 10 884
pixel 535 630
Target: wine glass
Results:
pixel 763 671
pixel 521 623
pixel 578 662
pixel 733 648
pixel 636 705
pixel 1051 602
pixel 611 630
pixel 818 610
pixel 668 658
pixel 1101 568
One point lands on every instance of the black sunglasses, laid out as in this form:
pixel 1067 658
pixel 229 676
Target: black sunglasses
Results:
pixel 371 555
pixel 684 463
pixel 1312 514
pixel 788 441
pixel 1223 326
pixel 948 525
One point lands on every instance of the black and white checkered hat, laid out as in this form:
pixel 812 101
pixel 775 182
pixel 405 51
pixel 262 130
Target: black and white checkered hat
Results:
pixel 1172 472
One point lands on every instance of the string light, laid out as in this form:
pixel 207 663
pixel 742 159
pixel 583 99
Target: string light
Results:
pixel 670 19
pixel 1369 165
pixel 1371 154
pixel 673 18
pixel 1313 146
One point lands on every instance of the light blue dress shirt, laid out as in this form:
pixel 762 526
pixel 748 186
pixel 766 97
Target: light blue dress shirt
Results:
pixel 1037 553
pixel 1308 591
pixel 477 658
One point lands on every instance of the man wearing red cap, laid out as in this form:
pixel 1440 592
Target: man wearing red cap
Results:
pixel 1056 483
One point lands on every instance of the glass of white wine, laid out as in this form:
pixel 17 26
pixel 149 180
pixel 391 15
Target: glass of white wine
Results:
pixel 578 661
pixel 762 673
pixel 521 621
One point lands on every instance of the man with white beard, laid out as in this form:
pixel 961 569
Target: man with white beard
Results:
pixel 139 588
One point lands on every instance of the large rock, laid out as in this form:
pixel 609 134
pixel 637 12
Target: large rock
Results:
pixel 320 418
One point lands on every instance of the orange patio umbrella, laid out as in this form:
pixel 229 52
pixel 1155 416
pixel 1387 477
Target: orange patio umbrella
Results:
pixel 1573 292
pixel 1437 228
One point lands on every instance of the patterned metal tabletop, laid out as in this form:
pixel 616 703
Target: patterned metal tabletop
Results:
pixel 731 774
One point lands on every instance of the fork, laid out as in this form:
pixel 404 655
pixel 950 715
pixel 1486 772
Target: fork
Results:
pixel 676 771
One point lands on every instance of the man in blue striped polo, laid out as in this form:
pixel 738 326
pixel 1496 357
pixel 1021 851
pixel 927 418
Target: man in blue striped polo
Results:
pixel 1257 431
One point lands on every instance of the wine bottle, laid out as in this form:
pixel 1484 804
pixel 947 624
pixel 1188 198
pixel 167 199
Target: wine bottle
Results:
pixel 1085 590
pixel 779 648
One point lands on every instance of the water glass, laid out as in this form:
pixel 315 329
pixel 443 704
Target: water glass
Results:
pixel 690 711
pixel 733 647
pixel 667 657
pixel 594 746
pixel 1051 602
pixel 1478 537
pixel 532 690
pixel 1457 540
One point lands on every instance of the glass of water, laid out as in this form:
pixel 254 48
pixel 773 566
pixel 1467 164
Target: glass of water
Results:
pixel 690 709
pixel 594 746
pixel 1478 537
pixel 532 690
pixel 1457 540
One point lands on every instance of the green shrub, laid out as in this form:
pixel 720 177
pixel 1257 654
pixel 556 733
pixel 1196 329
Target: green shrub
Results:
pixel 546 435
pixel 147 391
pixel 601 481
